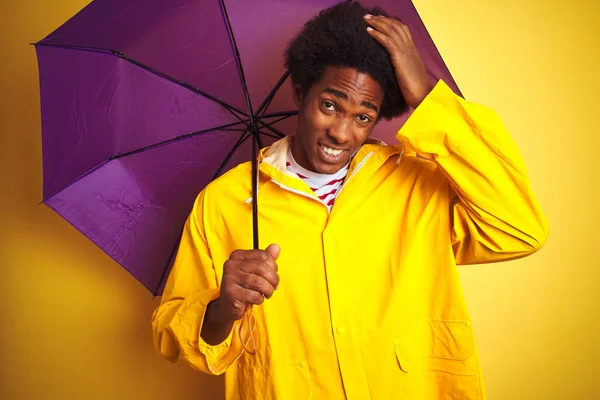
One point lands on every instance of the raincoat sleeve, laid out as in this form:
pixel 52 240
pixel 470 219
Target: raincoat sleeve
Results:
pixel 494 213
pixel 192 284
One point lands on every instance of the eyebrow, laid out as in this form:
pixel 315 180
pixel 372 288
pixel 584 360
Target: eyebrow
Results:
pixel 342 95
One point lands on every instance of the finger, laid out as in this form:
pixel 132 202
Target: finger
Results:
pixel 389 26
pixel 233 301
pixel 380 23
pixel 248 296
pixel 274 251
pixel 237 254
pixel 382 19
pixel 403 30
pixel 264 265
pixel 382 39
pixel 268 271
pixel 237 309
pixel 236 270
pixel 257 283
pixel 251 255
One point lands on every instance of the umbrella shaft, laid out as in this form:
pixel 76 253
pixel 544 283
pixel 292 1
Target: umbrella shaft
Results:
pixel 255 186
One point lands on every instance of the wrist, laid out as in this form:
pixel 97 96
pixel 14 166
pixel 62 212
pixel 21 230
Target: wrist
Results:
pixel 217 325
pixel 219 312
pixel 418 97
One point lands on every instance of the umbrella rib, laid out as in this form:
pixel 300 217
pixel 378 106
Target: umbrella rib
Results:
pixel 175 139
pixel 238 60
pixel 270 135
pixel 280 114
pixel 194 89
pixel 267 101
pixel 228 107
pixel 274 130
pixel 169 263
pixel 237 130
pixel 276 121
pixel 243 137
pixel 283 115
pixel 152 146
pixel 80 177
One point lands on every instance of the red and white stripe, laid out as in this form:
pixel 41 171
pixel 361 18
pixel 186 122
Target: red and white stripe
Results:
pixel 326 187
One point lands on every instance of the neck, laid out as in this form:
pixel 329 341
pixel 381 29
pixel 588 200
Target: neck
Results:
pixel 299 155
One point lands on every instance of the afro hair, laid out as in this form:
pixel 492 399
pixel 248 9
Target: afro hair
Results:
pixel 337 37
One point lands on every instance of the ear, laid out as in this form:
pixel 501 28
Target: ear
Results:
pixel 298 95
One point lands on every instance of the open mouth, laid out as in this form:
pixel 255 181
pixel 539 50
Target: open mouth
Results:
pixel 331 152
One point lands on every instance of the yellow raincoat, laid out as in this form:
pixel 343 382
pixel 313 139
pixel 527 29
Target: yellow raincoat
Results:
pixel 369 305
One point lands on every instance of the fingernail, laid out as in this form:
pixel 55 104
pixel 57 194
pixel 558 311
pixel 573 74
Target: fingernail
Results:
pixel 367 16
pixel 369 28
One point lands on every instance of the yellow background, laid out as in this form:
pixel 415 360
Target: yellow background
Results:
pixel 75 325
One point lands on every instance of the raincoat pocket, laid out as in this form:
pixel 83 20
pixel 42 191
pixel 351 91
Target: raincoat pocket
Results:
pixel 282 381
pixel 438 361
pixel 445 346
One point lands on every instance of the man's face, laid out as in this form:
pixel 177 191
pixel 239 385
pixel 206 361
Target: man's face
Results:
pixel 335 118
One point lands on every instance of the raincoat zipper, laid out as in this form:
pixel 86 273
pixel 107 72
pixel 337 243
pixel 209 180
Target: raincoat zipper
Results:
pixel 359 166
pixel 298 192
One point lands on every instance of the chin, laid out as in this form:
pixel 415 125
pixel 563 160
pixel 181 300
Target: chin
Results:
pixel 329 169
pixel 320 167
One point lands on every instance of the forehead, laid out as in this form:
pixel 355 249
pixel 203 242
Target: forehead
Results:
pixel 358 86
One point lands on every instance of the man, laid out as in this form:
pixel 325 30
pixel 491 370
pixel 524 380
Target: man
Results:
pixel 358 296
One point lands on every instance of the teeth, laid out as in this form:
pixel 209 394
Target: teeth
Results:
pixel 331 152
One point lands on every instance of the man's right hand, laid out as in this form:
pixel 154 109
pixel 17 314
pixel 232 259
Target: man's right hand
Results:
pixel 249 276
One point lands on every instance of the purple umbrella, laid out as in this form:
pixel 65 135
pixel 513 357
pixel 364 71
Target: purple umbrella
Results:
pixel 145 102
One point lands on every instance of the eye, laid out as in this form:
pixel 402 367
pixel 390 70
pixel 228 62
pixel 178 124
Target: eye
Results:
pixel 329 106
pixel 363 118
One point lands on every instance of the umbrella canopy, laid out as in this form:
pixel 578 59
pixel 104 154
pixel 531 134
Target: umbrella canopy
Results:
pixel 144 103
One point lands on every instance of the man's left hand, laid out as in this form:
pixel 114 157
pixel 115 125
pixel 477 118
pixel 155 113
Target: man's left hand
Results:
pixel 410 72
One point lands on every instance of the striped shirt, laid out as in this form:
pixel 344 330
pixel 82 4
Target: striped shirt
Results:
pixel 326 187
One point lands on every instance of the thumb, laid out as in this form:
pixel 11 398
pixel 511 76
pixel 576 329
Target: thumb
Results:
pixel 273 251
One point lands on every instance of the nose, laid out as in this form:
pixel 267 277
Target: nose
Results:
pixel 340 130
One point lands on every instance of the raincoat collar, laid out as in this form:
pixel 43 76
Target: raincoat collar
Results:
pixel 272 161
